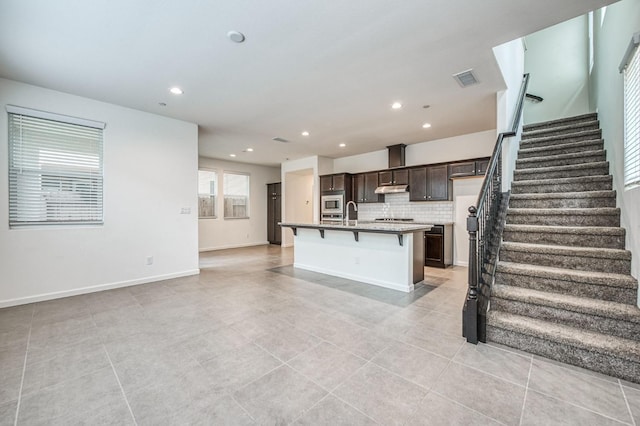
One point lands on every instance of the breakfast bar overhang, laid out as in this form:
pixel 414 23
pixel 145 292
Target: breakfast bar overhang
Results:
pixel 383 254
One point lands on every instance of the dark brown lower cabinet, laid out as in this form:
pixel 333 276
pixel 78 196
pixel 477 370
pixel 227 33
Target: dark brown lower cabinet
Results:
pixel 274 213
pixel 438 246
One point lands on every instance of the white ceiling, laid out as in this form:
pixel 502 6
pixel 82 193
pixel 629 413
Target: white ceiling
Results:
pixel 331 67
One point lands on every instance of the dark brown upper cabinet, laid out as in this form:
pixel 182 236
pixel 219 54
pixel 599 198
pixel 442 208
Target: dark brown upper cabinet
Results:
pixel 336 182
pixel 393 177
pixel 365 185
pixel 429 183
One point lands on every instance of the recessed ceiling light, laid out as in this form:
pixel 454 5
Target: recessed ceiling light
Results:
pixel 396 105
pixel 249 149
pixel 342 145
pixel 235 36
pixel 176 91
pixel 426 125
pixel 232 155
pixel 305 133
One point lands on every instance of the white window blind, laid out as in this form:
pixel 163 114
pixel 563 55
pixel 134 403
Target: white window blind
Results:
pixel 632 120
pixel 236 196
pixel 55 169
pixel 207 193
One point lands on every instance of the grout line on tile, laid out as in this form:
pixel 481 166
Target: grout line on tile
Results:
pixel 526 391
pixel 24 367
pixel 124 395
pixel 626 401
pixel 241 406
pixel 580 406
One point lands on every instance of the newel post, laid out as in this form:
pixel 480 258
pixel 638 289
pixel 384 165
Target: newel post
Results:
pixel 470 315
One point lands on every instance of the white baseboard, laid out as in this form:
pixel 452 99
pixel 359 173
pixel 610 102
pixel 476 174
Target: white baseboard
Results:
pixel 230 246
pixel 94 289
pixel 462 263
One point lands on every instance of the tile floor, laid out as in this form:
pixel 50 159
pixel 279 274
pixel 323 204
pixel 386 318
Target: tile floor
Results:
pixel 253 341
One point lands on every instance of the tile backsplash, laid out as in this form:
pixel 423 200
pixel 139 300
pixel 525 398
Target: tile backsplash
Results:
pixel 399 206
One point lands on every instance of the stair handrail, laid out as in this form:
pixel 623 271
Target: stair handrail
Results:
pixel 480 224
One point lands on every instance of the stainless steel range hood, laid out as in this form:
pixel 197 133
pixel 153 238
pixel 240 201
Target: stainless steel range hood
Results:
pixel 392 189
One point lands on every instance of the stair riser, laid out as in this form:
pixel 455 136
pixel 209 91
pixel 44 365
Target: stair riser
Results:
pixel 546 162
pixel 572 240
pixel 539 142
pixel 564 220
pixel 606 364
pixel 561 203
pixel 610 326
pixel 540 188
pixel 559 123
pixel 557 150
pixel 616 266
pixel 560 174
pixel 580 289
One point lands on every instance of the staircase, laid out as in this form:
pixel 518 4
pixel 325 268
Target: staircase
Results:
pixel 563 288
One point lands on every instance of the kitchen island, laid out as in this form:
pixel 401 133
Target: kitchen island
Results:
pixel 384 254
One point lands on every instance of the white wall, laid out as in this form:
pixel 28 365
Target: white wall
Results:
pixel 299 196
pixel 465 194
pixel 510 60
pixel 220 233
pixel 621 20
pixel 558 60
pixel 316 166
pixel 150 165
pixel 473 145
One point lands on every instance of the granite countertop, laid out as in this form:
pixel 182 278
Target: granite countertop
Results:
pixel 391 228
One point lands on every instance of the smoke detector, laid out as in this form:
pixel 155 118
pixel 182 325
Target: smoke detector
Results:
pixel 466 78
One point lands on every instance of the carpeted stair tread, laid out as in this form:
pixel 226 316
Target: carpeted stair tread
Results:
pixel 586 145
pixel 591 116
pixel 596 253
pixel 563 195
pixel 555 181
pixel 596 342
pixel 571 155
pixel 573 275
pixel 583 305
pixel 542 170
pixel 529 142
pixel 561 129
pixel 598 211
pixel 579 230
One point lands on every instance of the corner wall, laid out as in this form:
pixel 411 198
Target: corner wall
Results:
pixel 557 59
pixel 621 21
pixel 150 165
pixel 220 233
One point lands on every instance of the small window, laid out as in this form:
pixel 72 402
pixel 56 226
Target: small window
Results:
pixel 55 169
pixel 632 119
pixel 236 196
pixel 207 193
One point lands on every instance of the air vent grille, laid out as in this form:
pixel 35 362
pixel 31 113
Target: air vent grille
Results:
pixel 279 139
pixel 466 78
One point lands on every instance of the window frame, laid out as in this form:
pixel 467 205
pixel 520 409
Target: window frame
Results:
pixel 216 195
pixel 54 157
pixel 224 195
pixel 630 68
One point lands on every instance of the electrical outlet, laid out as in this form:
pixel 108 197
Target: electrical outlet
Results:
pixel 149 260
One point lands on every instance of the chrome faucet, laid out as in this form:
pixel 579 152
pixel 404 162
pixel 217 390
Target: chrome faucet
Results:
pixel 355 209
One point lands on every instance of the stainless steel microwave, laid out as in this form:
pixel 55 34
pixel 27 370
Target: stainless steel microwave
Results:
pixel 332 203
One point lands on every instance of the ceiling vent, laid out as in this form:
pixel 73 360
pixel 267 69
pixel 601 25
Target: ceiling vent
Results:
pixel 466 78
pixel 279 139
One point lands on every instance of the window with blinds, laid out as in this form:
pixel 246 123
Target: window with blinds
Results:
pixel 236 195
pixel 632 119
pixel 55 169
pixel 207 193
